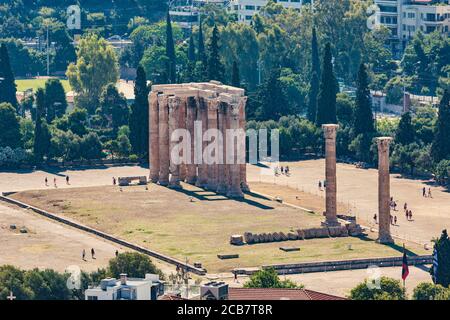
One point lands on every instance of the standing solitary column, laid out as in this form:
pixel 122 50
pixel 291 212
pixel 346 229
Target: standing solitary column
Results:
pixel 191 114
pixel 154 137
pixel 182 125
pixel 330 174
pixel 174 114
pixel 164 155
pixel 234 190
pixel 384 191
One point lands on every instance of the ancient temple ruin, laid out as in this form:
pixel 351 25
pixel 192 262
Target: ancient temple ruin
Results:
pixel 196 108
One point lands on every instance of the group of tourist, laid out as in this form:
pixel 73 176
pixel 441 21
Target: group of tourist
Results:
pixel 55 181
pixel 83 254
pixel 283 170
pixel 321 185
pixel 425 194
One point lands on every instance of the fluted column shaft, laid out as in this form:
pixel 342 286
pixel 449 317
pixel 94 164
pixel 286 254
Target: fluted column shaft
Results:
pixel 154 137
pixel 330 174
pixel 191 114
pixel 234 190
pixel 212 124
pixel 202 115
pixel 174 115
pixel 222 182
pixel 384 191
pixel 164 156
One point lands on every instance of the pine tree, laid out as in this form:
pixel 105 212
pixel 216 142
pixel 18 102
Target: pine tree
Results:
pixel 139 115
pixel 7 81
pixel 326 100
pixel 41 131
pixel 215 67
pixel 441 146
pixel 315 76
pixel 364 122
pixel 55 99
pixel 170 52
pixel 235 79
pixel 190 68
pixel 442 246
pixel 405 132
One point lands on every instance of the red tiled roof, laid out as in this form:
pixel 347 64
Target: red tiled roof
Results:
pixel 277 294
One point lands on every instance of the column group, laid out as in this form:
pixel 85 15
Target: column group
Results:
pixel 200 109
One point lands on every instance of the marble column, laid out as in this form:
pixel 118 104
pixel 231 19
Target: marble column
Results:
pixel 174 115
pixel 154 137
pixel 202 115
pixel 191 115
pixel 222 181
pixel 384 192
pixel 330 174
pixel 164 156
pixel 182 125
pixel 212 168
pixel 242 125
pixel 234 190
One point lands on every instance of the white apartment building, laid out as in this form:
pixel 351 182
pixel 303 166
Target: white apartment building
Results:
pixel 148 288
pixel 245 9
pixel 406 17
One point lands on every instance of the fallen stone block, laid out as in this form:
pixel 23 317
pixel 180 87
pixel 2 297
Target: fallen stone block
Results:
pixel 289 249
pixel 237 240
pixel 292 236
pixel 228 256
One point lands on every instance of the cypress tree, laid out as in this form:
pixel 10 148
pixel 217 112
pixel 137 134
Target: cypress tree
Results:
pixel 363 112
pixel 7 81
pixel 272 98
pixel 326 100
pixel 405 132
pixel 201 45
pixel 139 115
pixel 191 49
pixel 441 144
pixel 170 52
pixel 442 246
pixel 41 132
pixel 55 99
pixel 235 79
pixel 315 76
pixel 190 68
pixel 215 67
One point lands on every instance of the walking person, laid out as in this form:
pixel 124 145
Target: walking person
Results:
pixel 375 218
pixel 83 255
pixel 54 182
pixel 429 193
pixel 92 253
pixel 117 253
pixel 395 220
pixel 410 215
pixel 424 194
pixel 67 180
pixel 114 181
pixel 405 206
pixel 46 181
pixel 320 185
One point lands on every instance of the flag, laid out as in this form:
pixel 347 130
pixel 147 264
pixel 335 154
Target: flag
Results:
pixel 435 264
pixel 405 268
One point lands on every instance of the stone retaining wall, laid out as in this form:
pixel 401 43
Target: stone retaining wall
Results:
pixel 106 236
pixel 327 266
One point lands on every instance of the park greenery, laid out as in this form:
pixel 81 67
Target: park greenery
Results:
pixel 294 65
pixel 268 278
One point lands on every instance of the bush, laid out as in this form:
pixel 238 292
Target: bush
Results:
pixel 134 264
pixel 390 289
pixel 268 278
pixel 430 291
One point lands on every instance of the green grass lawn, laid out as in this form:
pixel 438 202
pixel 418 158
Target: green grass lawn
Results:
pixel 34 84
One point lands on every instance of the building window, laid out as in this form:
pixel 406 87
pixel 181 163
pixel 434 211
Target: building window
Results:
pixel 248 17
pixel 92 298
pixel 249 7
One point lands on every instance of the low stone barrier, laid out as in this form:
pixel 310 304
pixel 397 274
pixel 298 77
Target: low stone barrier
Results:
pixel 157 255
pixel 327 266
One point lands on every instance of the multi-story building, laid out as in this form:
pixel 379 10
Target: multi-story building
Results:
pixel 186 12
pixel 245 9
pixel 149 288
pixel 405 18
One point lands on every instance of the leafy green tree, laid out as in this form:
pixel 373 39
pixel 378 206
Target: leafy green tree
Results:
pixel 268 278
pixel 77 121
pixel 405 132
pixel 113 107
pixel 272 98
pixel 12 280
pixel 441 146
pixel 345 109
pixel 91 147
pixel 134 264
pixel 430 291
pixel 170 52
pixel 55 99
pixel 442 245
pixel 364 122
pixel 47 284
pixel 215 67
pixel 7 84
pixel 315 76
pixel 390 289
pixel 442 172
pixel 138 122
pixel 96 67
pixel 326 101
pixel 10 134
pixel 42 136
